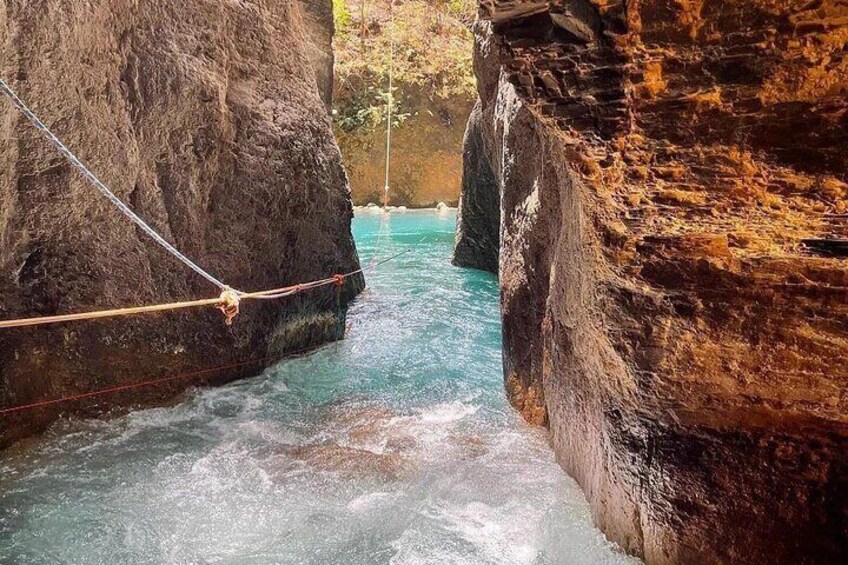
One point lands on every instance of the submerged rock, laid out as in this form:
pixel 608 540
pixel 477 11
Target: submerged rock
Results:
pixel 352 462
pixel 206 118
pixel 660 166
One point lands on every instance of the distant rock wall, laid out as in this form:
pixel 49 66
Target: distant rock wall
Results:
pixel 673 189
pixel 426 165
pixel 205 117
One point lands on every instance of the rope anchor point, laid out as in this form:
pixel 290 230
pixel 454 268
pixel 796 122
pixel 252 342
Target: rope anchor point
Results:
pixel 228 303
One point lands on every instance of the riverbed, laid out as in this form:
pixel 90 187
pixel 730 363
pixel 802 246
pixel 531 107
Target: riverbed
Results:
pixel 395 445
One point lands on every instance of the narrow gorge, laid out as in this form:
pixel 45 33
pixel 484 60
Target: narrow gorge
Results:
pixel 627 344
pixel 208 119
pixel 661 188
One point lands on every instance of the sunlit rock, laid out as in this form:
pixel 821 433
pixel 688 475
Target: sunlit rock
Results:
pixel 672 196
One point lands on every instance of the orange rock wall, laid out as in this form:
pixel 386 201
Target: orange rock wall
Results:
pixel 673 191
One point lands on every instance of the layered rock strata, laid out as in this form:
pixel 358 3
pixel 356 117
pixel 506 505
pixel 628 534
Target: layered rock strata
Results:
pixel 672 180
pixel 206 118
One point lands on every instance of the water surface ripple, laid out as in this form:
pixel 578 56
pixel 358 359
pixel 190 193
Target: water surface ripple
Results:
pixel 393 446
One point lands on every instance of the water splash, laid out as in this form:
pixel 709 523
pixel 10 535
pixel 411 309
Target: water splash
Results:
pixel 393 446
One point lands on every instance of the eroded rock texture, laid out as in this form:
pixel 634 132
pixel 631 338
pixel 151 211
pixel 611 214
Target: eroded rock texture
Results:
pixel 673 177
pixel 320 28
pixel 206 118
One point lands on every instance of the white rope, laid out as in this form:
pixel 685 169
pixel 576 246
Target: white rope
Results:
pixel 126 210
pixel 390 98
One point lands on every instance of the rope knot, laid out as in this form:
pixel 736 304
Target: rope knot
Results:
pixel 228 303
pixel 339 280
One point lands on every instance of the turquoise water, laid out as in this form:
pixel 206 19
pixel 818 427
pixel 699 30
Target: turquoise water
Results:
pixel 393 446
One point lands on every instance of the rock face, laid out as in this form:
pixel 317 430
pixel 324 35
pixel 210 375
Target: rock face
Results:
pixel 673 190
pixel 203 116
pixel 426 165
pixel 318 21
pixel 478 220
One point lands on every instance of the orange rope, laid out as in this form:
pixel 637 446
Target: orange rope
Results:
pixel 105 313
pixel 287 291
pixel 218 302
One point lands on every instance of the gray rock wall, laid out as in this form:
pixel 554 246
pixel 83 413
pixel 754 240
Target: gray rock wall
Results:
pixel 320 28
pixel 205 117
pixel 478 220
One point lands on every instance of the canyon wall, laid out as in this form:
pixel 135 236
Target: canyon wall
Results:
pixel 427 46
pixel 206 118
pixel 672 179
pixel 426 165
pixel 320 28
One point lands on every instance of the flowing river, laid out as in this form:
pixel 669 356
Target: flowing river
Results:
pixel 395 445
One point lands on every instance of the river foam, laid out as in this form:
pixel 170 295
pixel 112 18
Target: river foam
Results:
pixel 393 446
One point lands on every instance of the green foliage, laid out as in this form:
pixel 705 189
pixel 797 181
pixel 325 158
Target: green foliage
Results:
pixel 341 16
pixel 369 112
pixel 463 10
pixel 432 45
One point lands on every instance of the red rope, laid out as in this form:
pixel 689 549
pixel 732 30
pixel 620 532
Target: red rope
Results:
pixel 142 384
pixel 337 279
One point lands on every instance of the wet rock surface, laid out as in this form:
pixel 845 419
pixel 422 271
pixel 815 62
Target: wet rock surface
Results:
pixel 669 308
pixel 206 119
